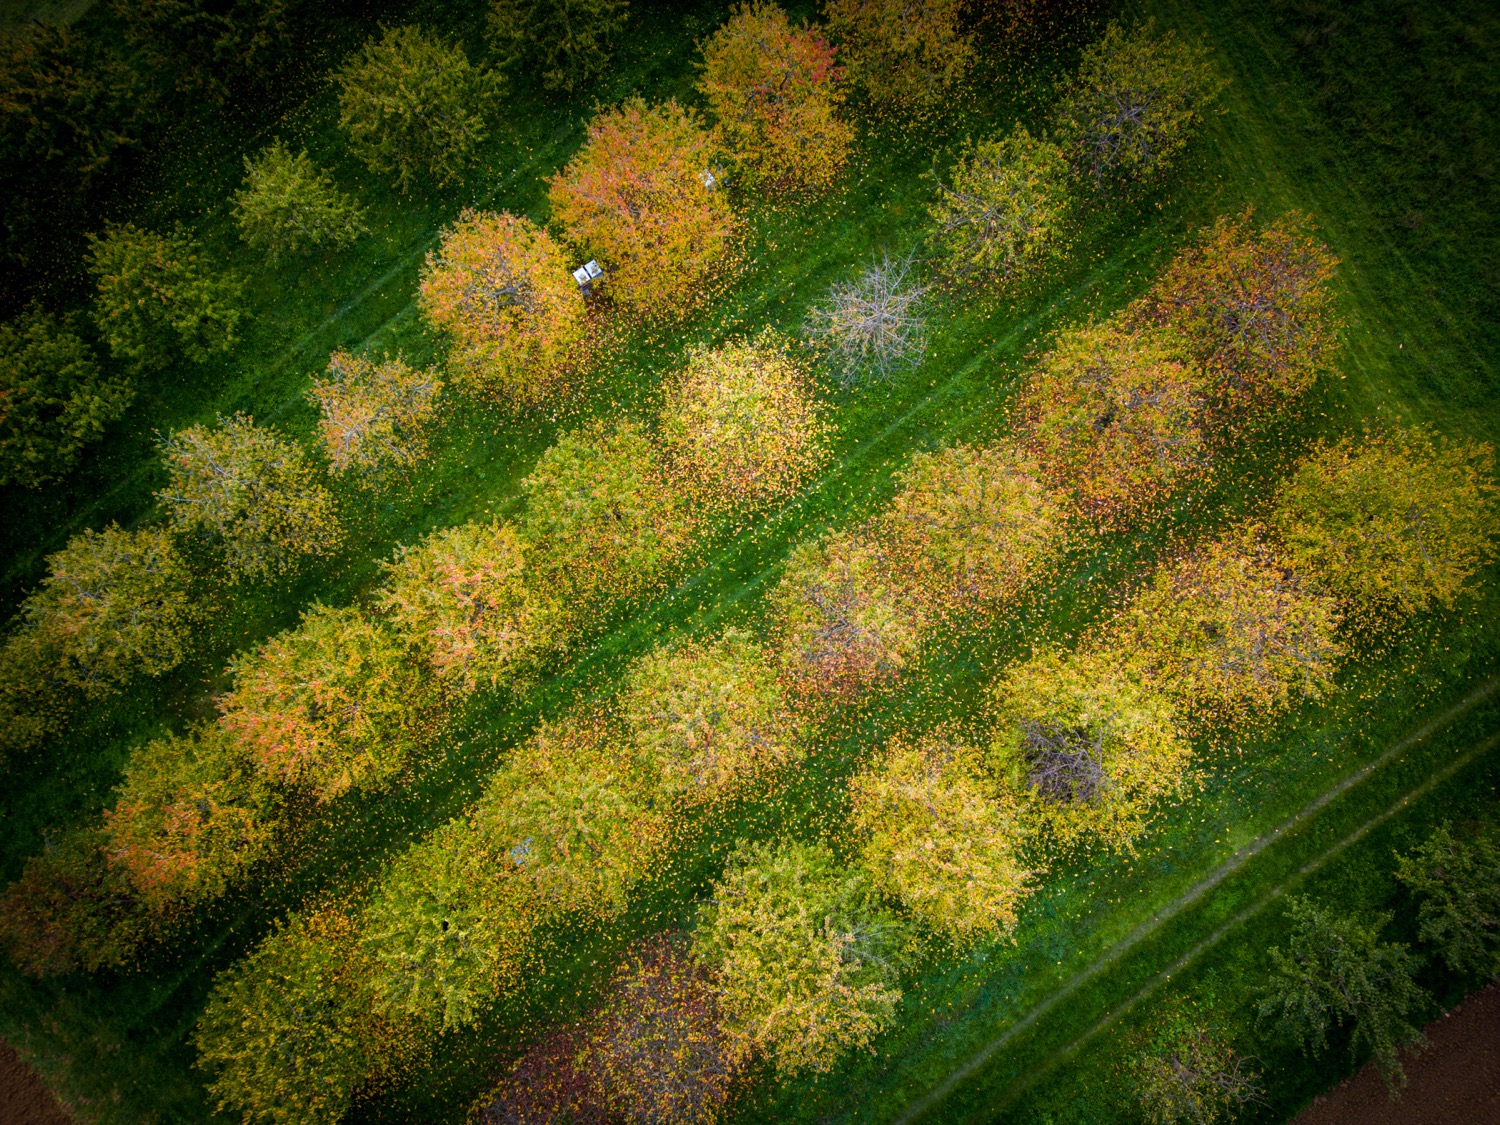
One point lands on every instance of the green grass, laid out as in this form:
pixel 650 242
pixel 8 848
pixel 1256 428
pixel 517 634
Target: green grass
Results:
pixel 1419 301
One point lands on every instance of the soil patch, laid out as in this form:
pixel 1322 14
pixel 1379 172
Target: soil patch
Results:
pixel 23 1098
pixel 1456 1079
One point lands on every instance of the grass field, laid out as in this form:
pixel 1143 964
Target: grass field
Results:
pixel 1371 116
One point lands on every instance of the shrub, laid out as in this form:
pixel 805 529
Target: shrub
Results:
pixel 902 52
pixel 1392 523
pixel 1234 633
pixel 250 492
pixel 847 627
pixel 72 909
pixel 1088 746
pixel 411 105
pixel 290 206
pixel 53 399
pixel 1116 417
pixel 774 91
pixel 114 605
pixel 158 298
pixel 709 719
pixel 740 427
pixel 499 286
pixel 329 705
pixel 466 598
pixel 190 814
pixel 1188 1075
pixel 1255 307
pixel 657 1051
pixel 634 198
pixel 972 528
pixel 1336 970
pixel 872 328
pixel 570 42
pixel 376 417
pixel 1457 887
pixel 1001 216
pixel 1134 105
pixel 804 953
pixel 600 521
pixel 289 1033
pixel 935 841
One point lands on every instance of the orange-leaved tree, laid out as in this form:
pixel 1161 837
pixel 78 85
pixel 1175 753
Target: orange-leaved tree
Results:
pixel 740 426
pixel 330 705
pixel 377 417
pixel 637 198
pixel 502 290
pixel 907 52
pixel 774 91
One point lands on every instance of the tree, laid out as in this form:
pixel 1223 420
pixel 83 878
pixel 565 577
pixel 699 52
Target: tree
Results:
pixel 739 426
pixel 1187 1074
pixel 871 328
pixel 971 528
pixel 656 1051
pixel 1393 523
pixel 34 696
pixel 1234 633
pixel 72 909
pixel 546 1084
pixel 1088 746
pixel 846 626
pixel 1457 887
pixel 212 49
pixel 1336 970
pixel 289 1032
pixel 805 955
pixel 934 840
pixel 291 206
pixel 411 105
pixel 329 705
pixel 1256 308
pixel 251 493
pixel 1000 217
pixel 634 197
pixel 1134 104
pixel 115 605
pixel 53 399
pixel 190 814
pixel 500 287
pixel 709 720
pixel 467 599
pixel 158 298
pixel 600 521
pixel 907 52
pixel 1116 417
pixel 570 42
pixel 774 91
pixel 377 418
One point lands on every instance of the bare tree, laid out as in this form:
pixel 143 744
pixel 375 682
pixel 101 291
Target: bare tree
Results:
pixel 871 328
pixel 1064 764
pixel 1193 1076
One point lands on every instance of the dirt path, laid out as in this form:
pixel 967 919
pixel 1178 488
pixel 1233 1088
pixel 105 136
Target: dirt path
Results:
pixel 23 1098
pixel 1455 1081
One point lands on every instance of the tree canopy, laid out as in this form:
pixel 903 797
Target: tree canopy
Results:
pixel 1456 882
pixel 291 206
pixel 571 42
pixel 904 52
pixel 377 415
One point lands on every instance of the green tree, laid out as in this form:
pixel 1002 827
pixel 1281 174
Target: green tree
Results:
pixel 330 705
pixel 377 416
pixel 571 42
pixel 115 605
pixel 289 1033
pixel 937 841
pixel 211 48
pixel 1336 970
pixel 53 399
pixel 413 106
pixel 158 298
pixel 805 953
pixel 290 206
pixel 1457 887
pixel 251 493
pixel 1394 523
pixel 1001 214
pixel 34 697
pixel 906 52
pixel 1134 104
